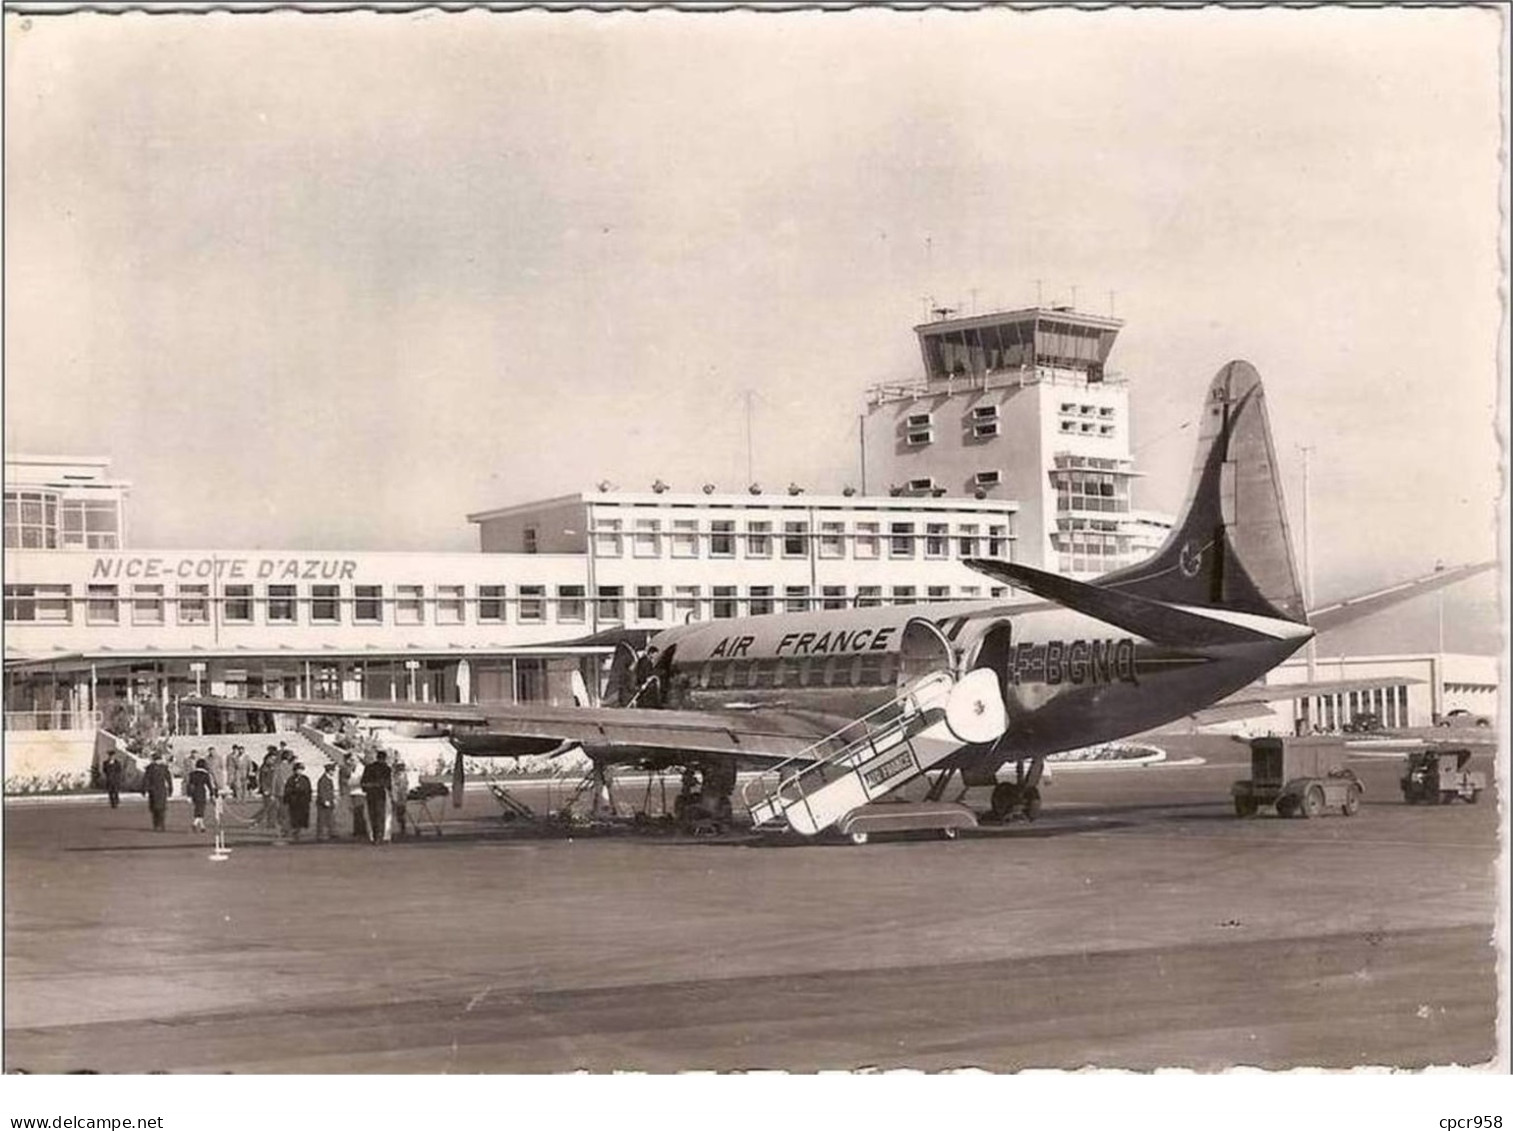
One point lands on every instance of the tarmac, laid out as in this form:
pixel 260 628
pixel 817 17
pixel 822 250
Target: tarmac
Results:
pixel 1137 924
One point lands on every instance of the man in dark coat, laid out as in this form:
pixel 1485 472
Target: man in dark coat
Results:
pixel 297 800
pixel 377 780
pixel 325 803
pixel 201 787
pixel 112 770
pixel 157 784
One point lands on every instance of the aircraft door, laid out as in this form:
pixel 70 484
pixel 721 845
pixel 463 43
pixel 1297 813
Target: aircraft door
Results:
pixel 923 649
pixel 995 652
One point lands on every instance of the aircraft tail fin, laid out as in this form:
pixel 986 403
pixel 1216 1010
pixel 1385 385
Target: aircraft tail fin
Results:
pixel 1231 548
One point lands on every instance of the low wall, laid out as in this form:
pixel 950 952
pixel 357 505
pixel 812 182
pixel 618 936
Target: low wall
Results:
pixel 39 755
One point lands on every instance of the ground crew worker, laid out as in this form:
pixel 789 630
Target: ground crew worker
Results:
pixel 377 780
pixel 112 770
pixel 157 784
pixel 349 787
pixel 325 803
pixel 200 786
pixel 297 800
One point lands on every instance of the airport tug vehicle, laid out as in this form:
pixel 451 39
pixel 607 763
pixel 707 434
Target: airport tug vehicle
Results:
pixel 1300 776
pixel 1438 774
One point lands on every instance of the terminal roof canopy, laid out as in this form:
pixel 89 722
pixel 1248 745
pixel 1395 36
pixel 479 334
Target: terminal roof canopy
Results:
pixel 1057 337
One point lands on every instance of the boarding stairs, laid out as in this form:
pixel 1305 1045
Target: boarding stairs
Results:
pixel 933 718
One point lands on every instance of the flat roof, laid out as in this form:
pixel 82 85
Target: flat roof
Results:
pixel 774 500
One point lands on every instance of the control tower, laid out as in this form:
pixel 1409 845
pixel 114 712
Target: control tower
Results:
pixel 1019 405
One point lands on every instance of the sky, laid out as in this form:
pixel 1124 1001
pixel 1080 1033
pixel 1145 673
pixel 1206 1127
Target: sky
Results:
pixel 333 282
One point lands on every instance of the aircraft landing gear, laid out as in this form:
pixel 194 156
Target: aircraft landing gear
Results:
pixel 698 809
pixel 1020 797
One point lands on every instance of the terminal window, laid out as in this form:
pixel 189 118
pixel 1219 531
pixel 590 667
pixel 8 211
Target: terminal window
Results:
pixel 833 597
pixel 194 604
pixel 832 539
pixel 966 539
pixel 759 539
pixel 685 604
pixel 869 596
pixel 723 605
pixel 867 539
pixel 91 524
pixel 31 520
pixel 939 592
pixel 41 604
pixel 409 604
pixel 532 604
pixel 997 536
pixel 281 604
pixel 607 539
pixel 685 538
pixel 796 599
pixel 570 604
pixel 971 592
pixel 146 604
pixel 648 602
pixel 449 602
pixel 903 594
pixel 325 604
pixel 722 538
pixel 100 605
pixel 368 604
pixel 760 598
pixel 901 540
pixel 648 539
pixel 491 604
pixel 795 539
pixel 238 604
pixel 611 602
pixel 936 541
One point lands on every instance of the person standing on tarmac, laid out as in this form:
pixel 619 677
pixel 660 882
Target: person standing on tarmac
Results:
pixel 157 784
pixel 325 803
pixel 112 770
pixel 401 793
pixel 200 786
pixel 283 769
pixel 297 800
pixel 377 780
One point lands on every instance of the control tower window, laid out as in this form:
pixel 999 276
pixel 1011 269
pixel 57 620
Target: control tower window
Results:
pixel 31 520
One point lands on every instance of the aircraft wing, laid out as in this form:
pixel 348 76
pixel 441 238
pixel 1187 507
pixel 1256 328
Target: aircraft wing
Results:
pixel 1251 702
pixel 1353 609
pixel 611 733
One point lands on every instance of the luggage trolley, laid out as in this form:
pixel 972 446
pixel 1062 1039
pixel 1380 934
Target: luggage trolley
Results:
pixel 430 797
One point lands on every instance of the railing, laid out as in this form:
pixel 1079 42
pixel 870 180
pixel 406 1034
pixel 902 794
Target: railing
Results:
pixel 837 754
pixel 978 382
pixel 53 720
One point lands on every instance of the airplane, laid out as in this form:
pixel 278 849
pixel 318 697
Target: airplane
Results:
pixel 845 706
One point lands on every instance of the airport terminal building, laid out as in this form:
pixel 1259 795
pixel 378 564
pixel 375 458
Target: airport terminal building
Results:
pixel 89 627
